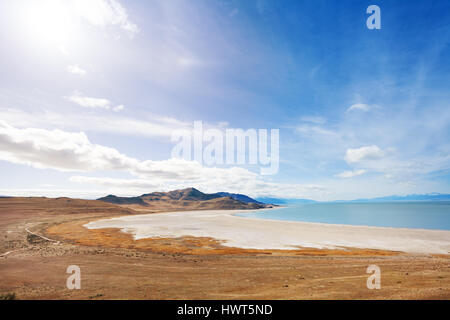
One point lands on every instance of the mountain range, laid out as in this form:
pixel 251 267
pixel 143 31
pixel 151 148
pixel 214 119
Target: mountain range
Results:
pixel 410 197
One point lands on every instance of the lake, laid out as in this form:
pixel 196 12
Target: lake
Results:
pixel 422 215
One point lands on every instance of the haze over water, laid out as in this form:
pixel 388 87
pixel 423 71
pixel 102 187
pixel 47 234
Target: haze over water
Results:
pixel 421 215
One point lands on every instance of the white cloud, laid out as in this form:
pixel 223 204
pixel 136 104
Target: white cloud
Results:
pixel 54 193
pixel 102 13
pixel 313 125
pixel 119 183
pixel 89 102
pixel 119 108
pixel 75 69
pixel 359 106
pixel 313 129
pixel 351 174
pixel 149 125
pixel 72 151
pixel 364 153
pixel 56 149
pixel 313 119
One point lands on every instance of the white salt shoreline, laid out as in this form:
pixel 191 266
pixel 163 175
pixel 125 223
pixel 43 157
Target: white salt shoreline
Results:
pixel 254 233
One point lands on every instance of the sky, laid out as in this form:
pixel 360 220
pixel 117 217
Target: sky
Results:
pixel 91 92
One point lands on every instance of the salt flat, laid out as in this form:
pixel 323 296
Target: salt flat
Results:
pixel 235 231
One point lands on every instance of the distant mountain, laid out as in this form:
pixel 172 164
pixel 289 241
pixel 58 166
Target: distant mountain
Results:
pixel 283 201
pixel 271 200
pixel 188 199
pixel 239 197
pixel 410 197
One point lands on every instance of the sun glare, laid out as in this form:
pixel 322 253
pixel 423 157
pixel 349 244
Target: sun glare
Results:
pixel 48 22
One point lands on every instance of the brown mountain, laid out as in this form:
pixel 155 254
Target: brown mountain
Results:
pixel 184 199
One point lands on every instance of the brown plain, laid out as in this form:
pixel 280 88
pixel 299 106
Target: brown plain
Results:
pixel 114 266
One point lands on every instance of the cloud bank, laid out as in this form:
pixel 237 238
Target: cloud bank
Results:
pixel 74 152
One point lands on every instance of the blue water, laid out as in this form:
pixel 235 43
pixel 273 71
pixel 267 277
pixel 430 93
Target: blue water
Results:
pixel 422 215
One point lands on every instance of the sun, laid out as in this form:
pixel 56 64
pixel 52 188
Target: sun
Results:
pixel 48 22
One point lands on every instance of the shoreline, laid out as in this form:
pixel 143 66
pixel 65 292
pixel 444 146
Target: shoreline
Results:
pixel 268 234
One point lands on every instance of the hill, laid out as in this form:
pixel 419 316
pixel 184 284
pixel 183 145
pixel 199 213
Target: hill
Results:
pixel 187 199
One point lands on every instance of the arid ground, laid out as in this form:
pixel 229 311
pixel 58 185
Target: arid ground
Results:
pixel 114 266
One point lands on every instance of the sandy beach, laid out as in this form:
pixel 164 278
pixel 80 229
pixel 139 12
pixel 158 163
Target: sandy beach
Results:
pixel 251 233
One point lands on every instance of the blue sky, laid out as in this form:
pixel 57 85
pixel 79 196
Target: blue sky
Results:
pixel 90 92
